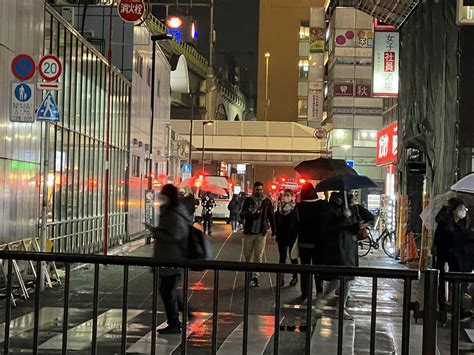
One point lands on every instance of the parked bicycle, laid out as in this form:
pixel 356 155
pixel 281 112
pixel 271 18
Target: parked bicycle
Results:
pixel 386 238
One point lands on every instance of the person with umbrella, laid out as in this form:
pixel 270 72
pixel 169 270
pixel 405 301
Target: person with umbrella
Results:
pixel 208 205
pixel 311 234
pixel 450 241
pixel 286 218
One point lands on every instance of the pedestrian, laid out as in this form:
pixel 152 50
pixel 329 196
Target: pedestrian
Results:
pixel 450 241
pixel 286 219
pixel 311 218
pixel 171 241
pixel 234 211
pixel 208 205
pixel 186 197
pixel 257 213
pixel 340 245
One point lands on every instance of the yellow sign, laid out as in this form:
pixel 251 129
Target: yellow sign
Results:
pixel 465 14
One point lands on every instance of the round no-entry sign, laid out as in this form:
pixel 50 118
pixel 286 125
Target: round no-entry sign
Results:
pixel 131 10
pixel 319 133
pixel 50 67
pixel 23 67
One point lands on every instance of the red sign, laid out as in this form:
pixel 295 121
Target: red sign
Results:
pixel 343 89
pixel 319 133
pixel 131 10
pixel 389 62
pixel 23 67
pixel 50 67
pixel 387 145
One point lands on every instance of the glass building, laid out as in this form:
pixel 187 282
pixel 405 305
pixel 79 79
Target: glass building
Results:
pixel 76 191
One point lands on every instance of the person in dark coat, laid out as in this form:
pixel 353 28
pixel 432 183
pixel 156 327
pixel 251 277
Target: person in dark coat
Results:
pixel 234 211
pixel 208 205
pixel 186 197
pixel 171 241
pixel 286 219
pixel 311 220
pixel 450 241
pixel 340 245
pixel 258 217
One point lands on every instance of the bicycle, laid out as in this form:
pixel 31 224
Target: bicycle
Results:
pixel 386 238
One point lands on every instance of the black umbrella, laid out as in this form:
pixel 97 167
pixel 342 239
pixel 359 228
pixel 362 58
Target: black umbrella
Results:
pixel 323 168
pixel 345 182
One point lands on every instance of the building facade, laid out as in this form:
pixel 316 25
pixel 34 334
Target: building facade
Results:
pixel 75 182
pixel 283 59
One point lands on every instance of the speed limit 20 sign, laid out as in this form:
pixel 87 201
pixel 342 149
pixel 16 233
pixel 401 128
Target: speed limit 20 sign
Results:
pixel 50 67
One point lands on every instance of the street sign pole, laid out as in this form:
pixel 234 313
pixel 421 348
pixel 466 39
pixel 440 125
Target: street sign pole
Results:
pixel 44 203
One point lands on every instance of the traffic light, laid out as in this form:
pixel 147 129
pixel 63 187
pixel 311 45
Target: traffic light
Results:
pixel 273 187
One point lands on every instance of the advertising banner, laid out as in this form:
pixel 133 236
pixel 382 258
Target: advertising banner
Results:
pixel 386 63
pixel 387 145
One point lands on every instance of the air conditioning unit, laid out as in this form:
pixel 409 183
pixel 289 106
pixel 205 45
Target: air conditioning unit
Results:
pixel 68 12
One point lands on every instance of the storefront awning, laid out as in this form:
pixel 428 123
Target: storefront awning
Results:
pixel 390 12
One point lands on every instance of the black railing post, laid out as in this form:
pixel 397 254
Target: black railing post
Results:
pixel 456 318
pixel 215 312
pixel 66 307
pixel 246 312
pixel 124 310
pixel 276 344
pixel 430 312
pixel 373 316
pixel 184 330
pixel 154 307
pixel 37 308
pixel 340 321
pixel 406 317
pixel 95 309
pixel 309 317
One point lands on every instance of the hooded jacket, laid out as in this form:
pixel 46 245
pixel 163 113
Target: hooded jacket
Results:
pixel 172 236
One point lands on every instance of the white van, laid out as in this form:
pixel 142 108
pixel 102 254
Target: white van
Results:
pixel 222 201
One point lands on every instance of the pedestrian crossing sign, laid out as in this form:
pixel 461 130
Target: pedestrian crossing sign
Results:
pixel 48 110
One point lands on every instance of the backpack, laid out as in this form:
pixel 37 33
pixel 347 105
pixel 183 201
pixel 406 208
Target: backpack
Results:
pixel 198 246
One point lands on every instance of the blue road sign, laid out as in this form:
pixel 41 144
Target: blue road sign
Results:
pixel 186 168
pixel 23 67
pixel 350 163
pixel 22 92
pixel 48 110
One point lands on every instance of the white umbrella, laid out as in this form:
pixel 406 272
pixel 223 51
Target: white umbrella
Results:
pixel 466 185
pixel 430 212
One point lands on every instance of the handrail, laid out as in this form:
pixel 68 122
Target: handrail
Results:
pixel 213 265
pixel 459 276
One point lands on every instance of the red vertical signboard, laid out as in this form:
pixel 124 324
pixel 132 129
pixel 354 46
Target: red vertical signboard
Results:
pixel 387 145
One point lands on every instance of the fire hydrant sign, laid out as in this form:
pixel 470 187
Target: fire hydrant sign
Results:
pixel 23 103
pixel 131 10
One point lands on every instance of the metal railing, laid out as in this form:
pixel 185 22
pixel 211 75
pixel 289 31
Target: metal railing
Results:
pixel 341 273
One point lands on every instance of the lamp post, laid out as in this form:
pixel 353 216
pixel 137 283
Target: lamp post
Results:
pixel 204 124
pixel 267 99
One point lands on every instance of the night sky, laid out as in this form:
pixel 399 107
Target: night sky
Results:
pixel 236 25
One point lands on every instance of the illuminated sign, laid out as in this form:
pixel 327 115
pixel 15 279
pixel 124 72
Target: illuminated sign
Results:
pixel 386 64
pixel 387 145
pixel 465 13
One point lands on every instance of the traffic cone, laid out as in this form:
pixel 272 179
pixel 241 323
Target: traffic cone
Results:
pixel 412 251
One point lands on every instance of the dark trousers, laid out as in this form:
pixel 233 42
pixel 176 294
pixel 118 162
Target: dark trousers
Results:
pixel 234 222
pixel 284 248
pixel 307 257
pixel 207 223
pixel 172 301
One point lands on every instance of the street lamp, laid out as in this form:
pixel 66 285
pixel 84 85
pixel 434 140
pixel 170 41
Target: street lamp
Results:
pixel 204 124
pixel 267 100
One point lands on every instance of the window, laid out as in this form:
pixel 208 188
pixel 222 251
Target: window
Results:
pixel 148 76
pixel 135 169
pixel 138 64
pixel 342 137
pixel 302 108
pixel 365 138
pixel 303 68
pixel 304 30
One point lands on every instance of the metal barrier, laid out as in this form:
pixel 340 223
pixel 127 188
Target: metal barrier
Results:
pixel 279 269
pixel 456 279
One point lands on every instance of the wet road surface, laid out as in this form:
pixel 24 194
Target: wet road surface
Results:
pixel 226 246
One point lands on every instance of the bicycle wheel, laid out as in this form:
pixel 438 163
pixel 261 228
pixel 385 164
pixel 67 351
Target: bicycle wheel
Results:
pixel 365 246
pixel 389 245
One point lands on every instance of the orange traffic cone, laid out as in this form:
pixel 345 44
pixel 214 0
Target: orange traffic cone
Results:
pixel 412 251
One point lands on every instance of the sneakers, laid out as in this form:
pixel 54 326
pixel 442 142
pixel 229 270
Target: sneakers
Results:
pixel 254 282
pixel 170 329
pixel 347 315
